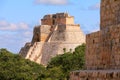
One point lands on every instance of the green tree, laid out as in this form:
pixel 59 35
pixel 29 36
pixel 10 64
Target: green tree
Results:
pixel 53 74
pixel 14 67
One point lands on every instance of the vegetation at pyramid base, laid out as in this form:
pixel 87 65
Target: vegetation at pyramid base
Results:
pixel 14 67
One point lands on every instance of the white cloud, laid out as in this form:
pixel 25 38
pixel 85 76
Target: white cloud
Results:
pixel 23 25
pixel 52 2
pixel 13 41
pixel 95 6
pixel 4 25
pixel 13 35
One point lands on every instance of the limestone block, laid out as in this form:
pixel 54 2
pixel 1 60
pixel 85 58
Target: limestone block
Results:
pixel 95 75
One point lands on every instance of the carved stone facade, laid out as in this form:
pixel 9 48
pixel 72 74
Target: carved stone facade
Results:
pixel 55 33
pixel 103 47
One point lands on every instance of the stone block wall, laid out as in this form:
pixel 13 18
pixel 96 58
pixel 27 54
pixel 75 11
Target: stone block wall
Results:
pixel 95 75
pixel 110 47
pixel 103 49
pixel 110 13
pixel 47 20
pixel 51 49
pixel 45 30
pixel 57 19
pixel 93 50
pixel 68 34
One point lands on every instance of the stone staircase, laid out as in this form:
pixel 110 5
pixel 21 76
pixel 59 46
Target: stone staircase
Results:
pixel 34 52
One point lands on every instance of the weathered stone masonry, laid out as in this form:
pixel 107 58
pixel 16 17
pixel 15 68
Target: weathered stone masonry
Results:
pixel 103 47
pixel 95 75
pixel 57 31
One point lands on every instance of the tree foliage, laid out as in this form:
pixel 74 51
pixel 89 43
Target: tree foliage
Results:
pixel 14 67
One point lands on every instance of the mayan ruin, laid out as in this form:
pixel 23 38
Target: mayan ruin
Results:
pixel 103 47
pixel 56 32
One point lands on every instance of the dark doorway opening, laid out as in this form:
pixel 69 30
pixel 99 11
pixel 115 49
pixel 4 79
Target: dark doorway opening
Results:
pixel 53 22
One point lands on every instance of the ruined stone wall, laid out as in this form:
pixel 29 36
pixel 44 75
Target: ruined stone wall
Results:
pixel 110 13
pixel 60 20
pixel 95 75
pixel 110 47
pixel 57 19
pixel 93 50
pixel 47 20
pixel 63 18
pixel 103 49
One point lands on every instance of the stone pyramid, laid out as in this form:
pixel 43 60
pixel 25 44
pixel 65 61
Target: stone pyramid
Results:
pixel 56 34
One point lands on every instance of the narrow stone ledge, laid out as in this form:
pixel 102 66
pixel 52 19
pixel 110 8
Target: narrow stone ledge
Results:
pixel 95 75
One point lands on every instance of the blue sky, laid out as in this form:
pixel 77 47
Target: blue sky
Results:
pixel 18 18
